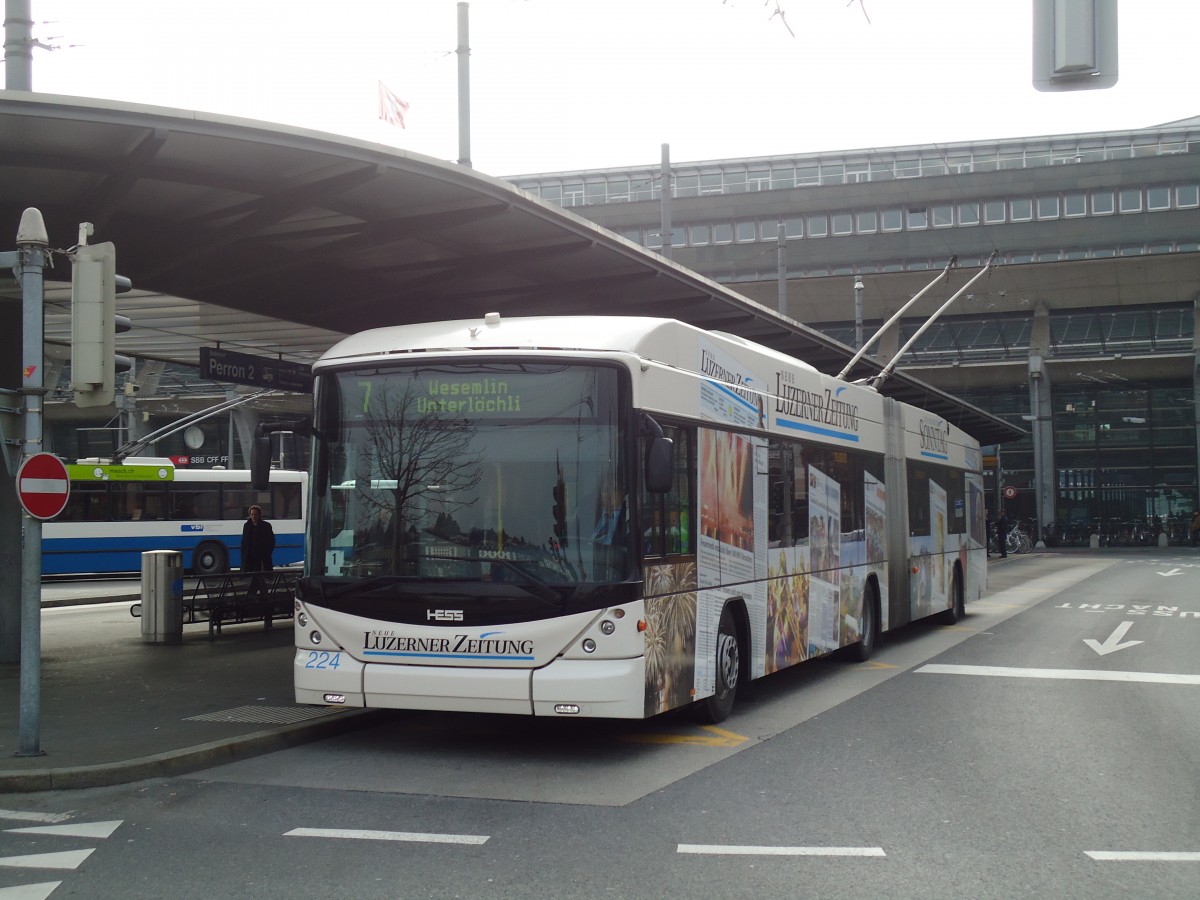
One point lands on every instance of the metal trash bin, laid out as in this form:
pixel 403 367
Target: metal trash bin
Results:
pixel 162 597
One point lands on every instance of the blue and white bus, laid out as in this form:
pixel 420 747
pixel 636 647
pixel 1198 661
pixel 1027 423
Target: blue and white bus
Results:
pixel 115 513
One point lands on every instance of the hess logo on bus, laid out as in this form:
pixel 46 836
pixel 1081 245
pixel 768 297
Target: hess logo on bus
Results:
pixel 443 615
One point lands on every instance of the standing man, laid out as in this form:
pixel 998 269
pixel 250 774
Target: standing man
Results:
pixel 258 544
pixel 1002 533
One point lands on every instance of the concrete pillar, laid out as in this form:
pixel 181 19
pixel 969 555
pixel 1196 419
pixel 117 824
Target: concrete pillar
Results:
pixel 1042 428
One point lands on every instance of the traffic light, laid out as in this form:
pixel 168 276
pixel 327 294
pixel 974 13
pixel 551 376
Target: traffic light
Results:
pixel 94 322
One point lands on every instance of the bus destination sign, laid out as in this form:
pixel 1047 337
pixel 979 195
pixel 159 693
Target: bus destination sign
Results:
pixel 260 371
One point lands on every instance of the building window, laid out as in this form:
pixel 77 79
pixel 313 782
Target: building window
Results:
pixel 993 212
pixel 1158 198
pixel 744 231
pixel 1021 210
pixel 722 233
pixel 818 226
pixel 908 168
pixel 1131 200
pixel 1075 205
pixel 943 216
pixel 892 219
pixel 1047 207
pixel 867 222
pixel 793 227
pixel 808 175
pixel 833 173
pixel 699 235
pixel 881 171
pixel 711 184
pixel 783 177
pixel 917 218
pixel 968 214
pixel 1102 203
pixel 843 223
pixel 1187 195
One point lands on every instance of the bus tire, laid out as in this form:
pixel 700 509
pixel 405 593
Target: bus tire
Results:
pixel 869 640
pixel 717 708
pixel 210 558
pixel 958 606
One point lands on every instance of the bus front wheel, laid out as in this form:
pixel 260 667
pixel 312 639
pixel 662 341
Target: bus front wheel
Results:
pixel 729 663
pixel 210 559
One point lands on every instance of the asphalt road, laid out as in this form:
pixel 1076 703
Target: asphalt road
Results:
pixel 1042 748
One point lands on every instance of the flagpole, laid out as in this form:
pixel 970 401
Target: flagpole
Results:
pixel 464 89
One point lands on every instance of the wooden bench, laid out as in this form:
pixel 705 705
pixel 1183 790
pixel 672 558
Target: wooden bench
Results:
pixel 237 597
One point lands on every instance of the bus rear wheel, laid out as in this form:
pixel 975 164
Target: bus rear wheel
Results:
pixel 729 663
pixel 869 638
pixel 958 604
pixel 210 558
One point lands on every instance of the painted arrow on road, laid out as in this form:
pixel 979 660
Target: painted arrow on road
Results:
pixel 1112 643
pixel 1172 572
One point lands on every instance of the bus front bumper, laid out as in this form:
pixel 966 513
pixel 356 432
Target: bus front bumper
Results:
pixel 589 688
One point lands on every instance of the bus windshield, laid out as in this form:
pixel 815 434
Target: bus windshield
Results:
pixel 486 472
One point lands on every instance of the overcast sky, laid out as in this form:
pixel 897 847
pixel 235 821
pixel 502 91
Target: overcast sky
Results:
pixel 574 84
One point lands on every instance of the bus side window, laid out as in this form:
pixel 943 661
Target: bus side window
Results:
pixel 667 518
pixel 956 504
pixel 153 503
pixel 285 500
pixel 799 498
pixel 918 500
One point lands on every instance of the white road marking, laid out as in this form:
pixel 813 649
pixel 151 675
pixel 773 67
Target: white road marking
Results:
pixel 357 834
pixel 1113 642
pixel 1143 855
pixel 67 859
pixel 33 816
pixel 29 891
pixel 75 829
pixel 1062 674
pixel 738 850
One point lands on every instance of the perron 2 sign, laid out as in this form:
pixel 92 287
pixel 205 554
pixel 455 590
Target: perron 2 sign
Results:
pixel 242 368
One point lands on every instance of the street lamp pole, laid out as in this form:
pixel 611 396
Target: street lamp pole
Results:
pixel 858 313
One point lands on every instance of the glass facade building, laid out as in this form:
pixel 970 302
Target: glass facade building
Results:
pixel 1084 332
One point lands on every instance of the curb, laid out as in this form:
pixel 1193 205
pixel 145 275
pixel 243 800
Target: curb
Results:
pixel 190 759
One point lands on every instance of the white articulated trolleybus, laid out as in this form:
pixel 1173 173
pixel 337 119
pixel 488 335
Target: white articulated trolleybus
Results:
pixel 612 516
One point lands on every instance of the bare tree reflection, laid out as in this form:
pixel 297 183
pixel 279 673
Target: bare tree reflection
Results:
pixel 419 462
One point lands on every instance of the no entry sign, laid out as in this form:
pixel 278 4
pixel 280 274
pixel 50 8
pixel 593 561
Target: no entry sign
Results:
pixel 43 485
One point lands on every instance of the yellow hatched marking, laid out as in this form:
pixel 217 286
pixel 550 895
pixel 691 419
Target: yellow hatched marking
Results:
pixel 874 664
pixel 717 737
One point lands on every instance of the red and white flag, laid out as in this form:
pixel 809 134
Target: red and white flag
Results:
pixel 391 107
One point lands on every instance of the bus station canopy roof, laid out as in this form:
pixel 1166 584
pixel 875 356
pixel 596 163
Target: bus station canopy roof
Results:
pixel 276 241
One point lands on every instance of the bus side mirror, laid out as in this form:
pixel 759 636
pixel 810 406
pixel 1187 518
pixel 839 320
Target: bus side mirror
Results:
pixel 660 465
pixel 260 459
pixel 660 458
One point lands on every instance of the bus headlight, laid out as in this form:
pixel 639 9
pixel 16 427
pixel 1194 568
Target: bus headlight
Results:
pixel 302 619
pixel 608 627
pixel 315 637
pixel 589 646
